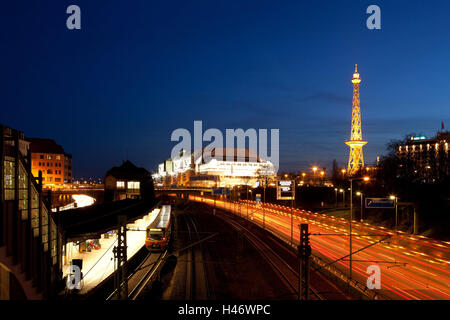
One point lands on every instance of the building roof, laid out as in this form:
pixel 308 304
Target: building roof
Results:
pixel 40 145
pixel 92 221
pixel 440 137
pixel 128 171
pixel 238 154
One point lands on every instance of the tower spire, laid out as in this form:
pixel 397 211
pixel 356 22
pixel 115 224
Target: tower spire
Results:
pixel 356 159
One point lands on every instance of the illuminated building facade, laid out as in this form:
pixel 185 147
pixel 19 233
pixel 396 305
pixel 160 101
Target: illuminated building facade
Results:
pixel 356 159
pixel 244 168
pixel 426 157
pixel 50 158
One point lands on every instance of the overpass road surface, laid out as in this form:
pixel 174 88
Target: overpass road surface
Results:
pixel 412 267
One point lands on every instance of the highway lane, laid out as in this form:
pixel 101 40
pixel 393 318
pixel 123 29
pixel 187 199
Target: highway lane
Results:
pixel 412 267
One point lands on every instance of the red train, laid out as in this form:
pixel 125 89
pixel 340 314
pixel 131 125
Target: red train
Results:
pixel 159 231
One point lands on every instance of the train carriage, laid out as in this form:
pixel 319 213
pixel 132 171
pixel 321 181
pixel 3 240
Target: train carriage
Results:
pixel 159 231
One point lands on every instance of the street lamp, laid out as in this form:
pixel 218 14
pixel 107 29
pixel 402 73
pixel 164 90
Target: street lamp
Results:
pixel 360 194
pixel 314 169
pixel 322 173
pixel 335 191
pixel 343 198
pixel 351 217
pixel 247 201
pixel 396 220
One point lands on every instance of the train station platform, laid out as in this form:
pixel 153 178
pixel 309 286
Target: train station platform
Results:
pixel 97 254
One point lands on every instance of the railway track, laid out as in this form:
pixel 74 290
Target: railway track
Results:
pixel 287 274
pixel 142 275
pixel 197 285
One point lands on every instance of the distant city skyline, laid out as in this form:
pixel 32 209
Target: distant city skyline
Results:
pixel 117 88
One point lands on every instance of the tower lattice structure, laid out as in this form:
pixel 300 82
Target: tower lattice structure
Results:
pixel 356 159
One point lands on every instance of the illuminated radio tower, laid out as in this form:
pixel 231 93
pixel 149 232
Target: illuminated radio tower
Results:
pixel 355 160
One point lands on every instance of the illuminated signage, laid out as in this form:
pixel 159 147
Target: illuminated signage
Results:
pixel 380 203
pixel 285 190
pixel 418 138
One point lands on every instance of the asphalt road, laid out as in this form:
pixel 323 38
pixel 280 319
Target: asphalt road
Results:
pixel 412 267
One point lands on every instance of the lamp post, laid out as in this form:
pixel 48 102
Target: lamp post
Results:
pixel 265 181
pixel 360 194
pixel 396 220
pixel 239 201
pixel 351 218
pixel 251 199
pixel 335 191
pixel 247 201
pixel 343 196
pixel 314 169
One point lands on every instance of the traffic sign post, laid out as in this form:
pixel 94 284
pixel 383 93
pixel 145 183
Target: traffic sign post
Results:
pixel 381 203
pixel 286 191
pixel 258 198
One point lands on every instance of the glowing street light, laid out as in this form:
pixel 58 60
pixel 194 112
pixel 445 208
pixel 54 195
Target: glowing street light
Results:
pixel 360 194
pixel 393 197
pixel 335 191
pixel 343 197
pixel 351 218
pixel 314 169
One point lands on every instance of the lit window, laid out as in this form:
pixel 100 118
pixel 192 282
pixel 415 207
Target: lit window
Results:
pixel 58 157
pixel 133 184
pixel 49 157
pixel 120 184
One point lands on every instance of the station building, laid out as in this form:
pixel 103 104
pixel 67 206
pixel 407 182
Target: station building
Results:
pixel 240 167
pixel 128 182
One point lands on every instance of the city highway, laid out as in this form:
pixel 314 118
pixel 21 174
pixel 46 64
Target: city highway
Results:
pixel 412 267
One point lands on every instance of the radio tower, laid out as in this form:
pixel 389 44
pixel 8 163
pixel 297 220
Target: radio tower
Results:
pixel 355 160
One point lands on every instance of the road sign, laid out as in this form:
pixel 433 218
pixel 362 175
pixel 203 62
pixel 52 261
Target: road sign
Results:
pixel 285 190
pixel 258 198
pixel 380 203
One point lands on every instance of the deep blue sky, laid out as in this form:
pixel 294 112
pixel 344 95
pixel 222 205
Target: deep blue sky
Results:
pixel 137 70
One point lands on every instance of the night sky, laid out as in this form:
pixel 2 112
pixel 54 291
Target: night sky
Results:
pixel 137 70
